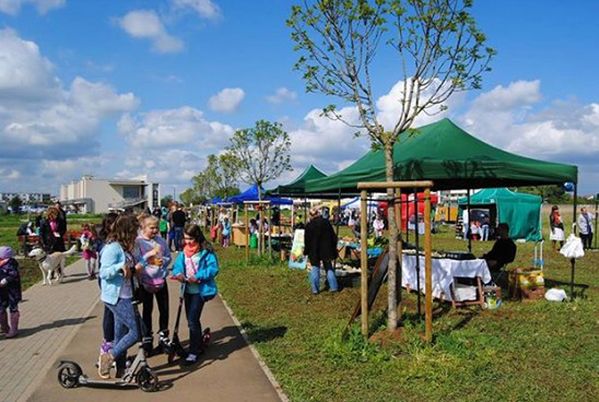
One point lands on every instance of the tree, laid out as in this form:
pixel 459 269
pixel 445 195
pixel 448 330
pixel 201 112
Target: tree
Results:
pixel 219 178
pixel 262 153
pixel 166 200
pixel 15 204
pixel 436 45
pixel 189 196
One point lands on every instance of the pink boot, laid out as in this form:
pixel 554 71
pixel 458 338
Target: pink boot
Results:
pixel 3 322
pixel 14 324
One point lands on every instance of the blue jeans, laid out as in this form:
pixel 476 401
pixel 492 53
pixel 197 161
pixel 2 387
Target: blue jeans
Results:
pixel 125 326
pixel 485 232
pixel 178 238
pixel 194 304
pixel 315 277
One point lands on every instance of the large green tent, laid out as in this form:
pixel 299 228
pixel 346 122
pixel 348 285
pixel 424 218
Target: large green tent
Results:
pixel 521 211
pixel 451 158
pixel 298 186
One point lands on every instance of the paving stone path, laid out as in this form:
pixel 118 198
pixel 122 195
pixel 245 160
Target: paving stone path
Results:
pixel 63 321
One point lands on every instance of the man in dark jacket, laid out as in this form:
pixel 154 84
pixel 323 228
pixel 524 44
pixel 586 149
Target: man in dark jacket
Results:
pixel 320 245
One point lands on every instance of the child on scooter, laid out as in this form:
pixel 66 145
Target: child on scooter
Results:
pixel 154 255
pixel 196 266
pixel 117 267
pixel 10 292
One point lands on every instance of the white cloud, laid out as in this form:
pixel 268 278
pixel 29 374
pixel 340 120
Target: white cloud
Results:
pixel 227 100
pixel 145 24
pixel 13 7
pixel 390 107
pixel 282 95
pixel 39 117
pixel 184 127
pixel 25 75
pixel 204 8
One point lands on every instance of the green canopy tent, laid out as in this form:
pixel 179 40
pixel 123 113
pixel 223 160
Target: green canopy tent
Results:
pixel 298 186
pixel 521 211
pixel 451 158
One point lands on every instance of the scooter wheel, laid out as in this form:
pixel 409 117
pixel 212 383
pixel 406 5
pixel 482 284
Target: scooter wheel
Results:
pixel 206 336
pixel 68 374
pixel 147 381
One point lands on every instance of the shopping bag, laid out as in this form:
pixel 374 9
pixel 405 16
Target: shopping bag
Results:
pixel 573 247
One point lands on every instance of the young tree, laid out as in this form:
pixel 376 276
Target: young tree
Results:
pixel 189 196
pixel 435 46
pixel 15 204
pixel 219 178
pixel 262 153
pixel 166 200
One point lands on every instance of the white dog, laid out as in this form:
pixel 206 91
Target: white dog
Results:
pixel 50 263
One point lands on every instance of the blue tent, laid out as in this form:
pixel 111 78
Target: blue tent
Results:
pixel 215 200
pixel 251 194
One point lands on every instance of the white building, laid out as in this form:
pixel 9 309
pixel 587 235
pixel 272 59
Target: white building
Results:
pixel 92 195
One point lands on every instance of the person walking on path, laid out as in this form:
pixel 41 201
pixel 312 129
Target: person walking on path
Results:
pixel 116 271
pixel 179 218
pixel 585 227
pixel 320 245
pixel 557 227
pixel 10 292
pixel 196 267
pixel 154 255
pixel 88 245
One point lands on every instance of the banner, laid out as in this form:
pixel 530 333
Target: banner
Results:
pixel 297 259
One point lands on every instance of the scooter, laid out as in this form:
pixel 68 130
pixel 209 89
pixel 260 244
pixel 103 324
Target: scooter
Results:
pixel 172 347
pixel 139 373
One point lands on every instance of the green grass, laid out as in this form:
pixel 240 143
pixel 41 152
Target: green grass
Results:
pixel 524 351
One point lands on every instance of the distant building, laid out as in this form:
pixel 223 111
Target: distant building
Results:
pixel 27 197
pixel 92 195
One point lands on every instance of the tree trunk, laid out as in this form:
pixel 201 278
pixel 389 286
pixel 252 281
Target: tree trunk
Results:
pixel 393 231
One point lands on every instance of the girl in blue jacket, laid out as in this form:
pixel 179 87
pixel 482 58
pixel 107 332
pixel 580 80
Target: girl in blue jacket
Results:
pixel 197 267
pixel 117 267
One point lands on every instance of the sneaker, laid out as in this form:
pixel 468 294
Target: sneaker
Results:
pixel 104 365
pixel 190 360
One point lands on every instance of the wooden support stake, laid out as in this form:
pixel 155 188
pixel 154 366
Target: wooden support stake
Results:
pixel 428 262
pixel 364 262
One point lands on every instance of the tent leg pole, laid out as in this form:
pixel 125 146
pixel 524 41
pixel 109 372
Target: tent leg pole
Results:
pixel 468 234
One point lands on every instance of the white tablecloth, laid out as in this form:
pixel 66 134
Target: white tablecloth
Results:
pixel 444 270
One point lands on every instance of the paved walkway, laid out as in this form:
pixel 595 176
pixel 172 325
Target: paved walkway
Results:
pixel 64 322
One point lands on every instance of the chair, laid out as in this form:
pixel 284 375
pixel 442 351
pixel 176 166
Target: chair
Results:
pixel 467 292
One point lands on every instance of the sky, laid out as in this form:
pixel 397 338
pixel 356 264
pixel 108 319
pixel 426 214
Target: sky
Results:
pixel 119 89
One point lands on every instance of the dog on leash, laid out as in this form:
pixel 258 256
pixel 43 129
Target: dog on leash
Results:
pixel 51 263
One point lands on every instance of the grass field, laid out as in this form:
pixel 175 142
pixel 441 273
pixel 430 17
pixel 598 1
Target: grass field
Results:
pixel 30 273
pixel 524 351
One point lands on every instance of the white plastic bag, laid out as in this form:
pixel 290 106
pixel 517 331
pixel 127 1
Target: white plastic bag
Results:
pixel 555 294
pixel 573 247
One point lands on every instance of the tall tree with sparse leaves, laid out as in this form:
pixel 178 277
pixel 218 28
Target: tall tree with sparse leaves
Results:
pixel 219 178
pixel 262 153
pixel 435 46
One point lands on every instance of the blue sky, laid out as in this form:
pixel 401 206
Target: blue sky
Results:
pixel 131 87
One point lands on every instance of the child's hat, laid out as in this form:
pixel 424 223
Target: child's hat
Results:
pixel 5 252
